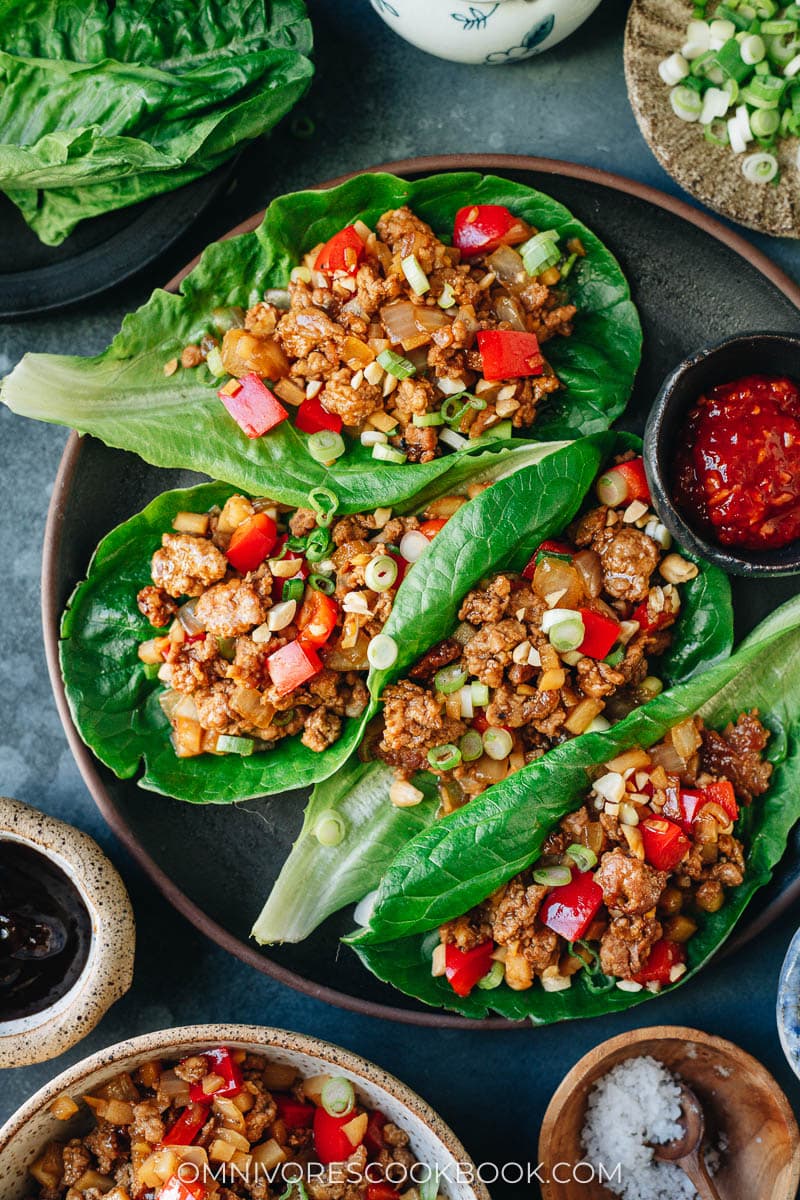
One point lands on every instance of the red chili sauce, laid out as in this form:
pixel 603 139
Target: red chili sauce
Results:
pixel 737 473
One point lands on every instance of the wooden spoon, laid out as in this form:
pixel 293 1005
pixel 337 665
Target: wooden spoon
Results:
pixel 686 1151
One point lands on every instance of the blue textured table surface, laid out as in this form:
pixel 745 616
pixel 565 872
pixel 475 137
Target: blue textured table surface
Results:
pixel 375 99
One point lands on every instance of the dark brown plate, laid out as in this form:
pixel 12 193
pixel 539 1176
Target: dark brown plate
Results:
pixel 215 864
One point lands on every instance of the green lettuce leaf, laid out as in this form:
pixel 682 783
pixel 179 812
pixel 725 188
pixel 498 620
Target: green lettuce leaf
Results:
pixel 115 706
pixel 103 105
pixel 123 397
pixel 460 860
pixel 547 497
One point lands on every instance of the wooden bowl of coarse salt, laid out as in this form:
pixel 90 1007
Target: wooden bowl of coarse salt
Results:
pixel 622 1095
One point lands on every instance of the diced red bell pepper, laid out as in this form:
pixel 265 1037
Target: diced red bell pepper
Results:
pixel 252 542
pixel 432 527
pixel 509 353
pixel 182 1189
pixel 635 479
pixel 330 1141
pixel 682 806
pixel 665 843
pixel 317 618
pixel 293 1113
pixel 402 566
pixel 480 228
pixel 662 958
pixel 312 417
pixel 292 666
pixel 548 546
pixel 253 406
pixel 463 968
pixel 722 793
pixel 381 1191
pixel 190 638
pixel 571 908
pixel 188 1125
pixel 600 633
pixel 647 625
pixel 342 252
pixel 373 1138
pixel 220 1062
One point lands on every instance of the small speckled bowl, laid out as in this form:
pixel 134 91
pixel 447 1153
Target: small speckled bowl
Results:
pixel 787 1008
pixel 433 1143
pixel 748 354
pixel 108 971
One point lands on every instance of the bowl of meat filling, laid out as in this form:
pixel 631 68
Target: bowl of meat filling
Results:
pixel 230 1112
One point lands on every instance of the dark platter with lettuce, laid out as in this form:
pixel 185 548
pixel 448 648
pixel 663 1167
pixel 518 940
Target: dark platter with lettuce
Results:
pixel 233 846
pixel 92 194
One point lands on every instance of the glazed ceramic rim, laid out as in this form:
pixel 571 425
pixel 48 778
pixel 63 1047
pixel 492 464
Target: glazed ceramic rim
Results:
pixel 746 564
pixel 666 1033
pixel 88 765
pixel 107 974
pixel 190 1037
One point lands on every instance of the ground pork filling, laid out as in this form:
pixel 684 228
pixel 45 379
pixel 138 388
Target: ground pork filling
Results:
pixel 622 883
pixel 503 689
pixel 320 342
pixel 266 616
pixel 225 1125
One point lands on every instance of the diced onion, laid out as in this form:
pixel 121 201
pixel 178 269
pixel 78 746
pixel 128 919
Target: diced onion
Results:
pixel 373 437
pixel 187 618
pixel 673 69
pixel 760 168
pixel 382 652
pixel 413 545
pixel 497 743
pixel 598 725
pixel 404 795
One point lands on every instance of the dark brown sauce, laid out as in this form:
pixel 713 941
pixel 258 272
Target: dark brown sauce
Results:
pixel 45 932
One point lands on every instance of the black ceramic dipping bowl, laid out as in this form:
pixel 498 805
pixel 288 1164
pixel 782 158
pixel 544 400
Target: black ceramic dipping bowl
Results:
pixel 748 354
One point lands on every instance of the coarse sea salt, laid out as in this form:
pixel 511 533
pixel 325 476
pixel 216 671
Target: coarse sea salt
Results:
pixel 635 1103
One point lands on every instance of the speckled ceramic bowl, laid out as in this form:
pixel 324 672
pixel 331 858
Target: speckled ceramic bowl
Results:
pixel 787 1008
pixel 108 971
pixel 484 31
pixel 433 1143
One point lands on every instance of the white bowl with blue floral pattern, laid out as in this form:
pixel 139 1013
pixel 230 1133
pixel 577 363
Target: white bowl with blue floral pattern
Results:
pixel 484 31
pixel 788 1005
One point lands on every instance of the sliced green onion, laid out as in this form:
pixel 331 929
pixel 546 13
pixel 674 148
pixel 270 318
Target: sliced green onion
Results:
pixel 214 362
pixel 493 977
pixel 415 274
pixel 615 657
pixel 583 856
pixel 686 103
pixel 380 573
pixel 480 694
pixel 760 168
pixel 452 439
pixel 324 503
pixel 395 364
pixel 283 718
pixel 329 829
pixel 568 634
pixel 764 122
pixel 444 758
pixel 226 648
pixel 449 679
pixel 388 454
pixel 292 589
pixel 500 431
pixel 235 745
pixel 651 685
pixel 425 420
pixel 317 544
pixel 151 670
pixel 599 725
pixel 471 745
pixel 497 743
pixel 326 446
pixel 778 28
pixel 612 489
pixel 338 1096
pixel 382 652
pixel 673 69
pixel 717 133
pixel 552 876
pixel 322 583
pixel 540 252
pixel 753 49
pixel 447 298
pixel 454 407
